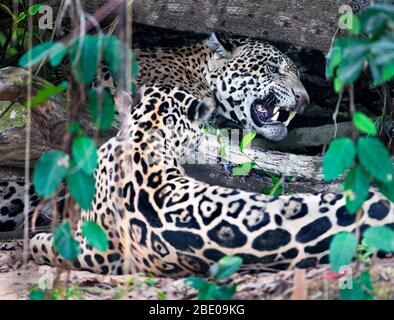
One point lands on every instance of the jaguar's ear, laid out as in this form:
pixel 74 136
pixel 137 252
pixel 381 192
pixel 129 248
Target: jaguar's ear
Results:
pixel 201 110
pixel 221 48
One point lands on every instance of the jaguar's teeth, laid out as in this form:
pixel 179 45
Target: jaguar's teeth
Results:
pixel 276 110
pixel 275 116
pixel 291 117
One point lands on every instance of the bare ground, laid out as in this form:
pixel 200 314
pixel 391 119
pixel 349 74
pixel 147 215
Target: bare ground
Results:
pixel 16 281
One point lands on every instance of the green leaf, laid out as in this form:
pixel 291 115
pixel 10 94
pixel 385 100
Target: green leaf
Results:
pixel 84 151
pixel 112 48
pixel 342 250
pixel 223 151
pixel 74 127
pixel 36 294
pixel 361 288
pixel 243 169
pixel 134 67
pixel 225 293
pixel 116 61
pixel 226 267
pixel 384 7
pixel 81 186
pixel 22 16
pixel 161 295
pixel 356 26
pixel 49 172
pixel 206 290
pixel 366 282
pixel 374 156
pixel 333 59
pixel 338 85
pixel 381 238
pixel 364 124
pixel 373 22
pixel 388 72
pixel 208 293
pixel 196 282
pixel 45 93
pixel 112 56
pixel 102 108
pixel 58 51
pixel 85 56
pixel 387 189
pixel 33 10
pixel 358 51
pixel 349 71
pixel 134 87
pixel 383 58
pixel 276 189
pixel 247 139
pixel 95 235
pixel 356 186
pixel 339 157
pixel 38 54
pixel 64 243
pixel 355 52
pixel 376 71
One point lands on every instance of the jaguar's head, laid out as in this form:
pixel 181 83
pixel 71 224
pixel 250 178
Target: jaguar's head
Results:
pixel 256 85
pixel 164 123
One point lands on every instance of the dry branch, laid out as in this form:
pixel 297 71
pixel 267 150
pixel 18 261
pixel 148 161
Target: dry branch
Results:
pixel 274 162
pixel 300 138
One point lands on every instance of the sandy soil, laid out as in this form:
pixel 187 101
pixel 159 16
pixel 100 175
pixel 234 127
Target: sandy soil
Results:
pixel 16 281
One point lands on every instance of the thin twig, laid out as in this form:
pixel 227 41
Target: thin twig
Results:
pixel 36 213
pixel 335 114
pixel 27 146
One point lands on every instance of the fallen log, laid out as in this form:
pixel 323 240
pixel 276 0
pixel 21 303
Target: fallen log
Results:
pixel 310 24
pixel 272 162
pixel 307 23
pixel 255 181
pixel 300 138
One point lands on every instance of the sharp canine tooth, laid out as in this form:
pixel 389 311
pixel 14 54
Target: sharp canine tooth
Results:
pixel 291 117
pixel 276 109
pixel 275 116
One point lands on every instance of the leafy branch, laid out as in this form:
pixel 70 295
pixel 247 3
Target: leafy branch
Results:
pixel 363 158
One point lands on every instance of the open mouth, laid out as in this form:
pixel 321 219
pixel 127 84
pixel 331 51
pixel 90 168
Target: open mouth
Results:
pixel 264 112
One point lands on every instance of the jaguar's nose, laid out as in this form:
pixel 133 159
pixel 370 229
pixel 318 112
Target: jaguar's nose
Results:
pixel 302 98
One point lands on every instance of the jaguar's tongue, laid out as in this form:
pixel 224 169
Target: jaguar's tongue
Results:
pixel 262 108
pixel 263 112
pixel 268 113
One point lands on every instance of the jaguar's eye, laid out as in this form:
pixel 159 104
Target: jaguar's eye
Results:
pixel 273 69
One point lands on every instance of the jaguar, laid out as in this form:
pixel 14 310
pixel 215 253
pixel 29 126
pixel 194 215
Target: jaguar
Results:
pixel 161 221
pixel 253 84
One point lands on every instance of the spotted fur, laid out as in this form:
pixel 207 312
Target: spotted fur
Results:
pixel 161 221
pixel 12 206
